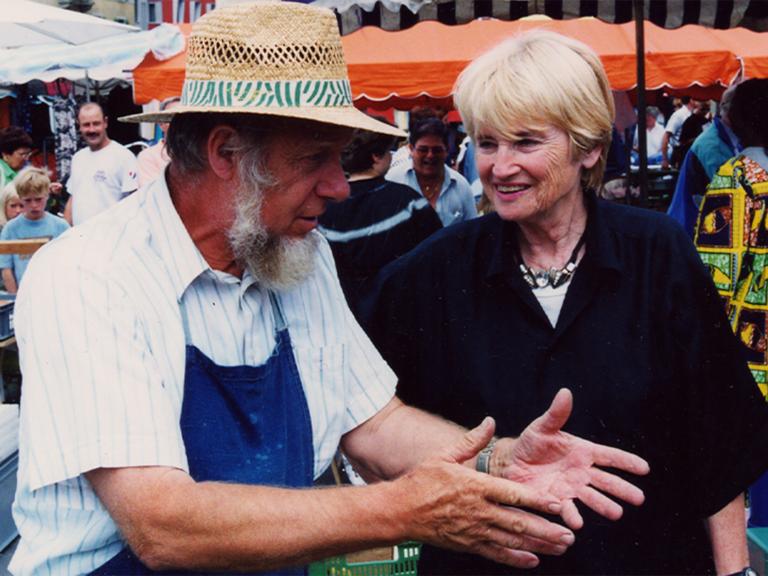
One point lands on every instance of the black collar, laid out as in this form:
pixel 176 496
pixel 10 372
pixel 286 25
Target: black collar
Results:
pixel 601 251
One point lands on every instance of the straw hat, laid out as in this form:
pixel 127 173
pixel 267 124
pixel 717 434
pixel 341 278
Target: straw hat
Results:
pixel 273 58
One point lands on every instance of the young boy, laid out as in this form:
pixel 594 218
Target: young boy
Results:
pixel 32 186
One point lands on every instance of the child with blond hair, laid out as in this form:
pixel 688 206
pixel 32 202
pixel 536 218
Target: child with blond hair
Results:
pixel 33 187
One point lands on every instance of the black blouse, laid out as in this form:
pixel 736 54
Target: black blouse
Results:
pixel 642 341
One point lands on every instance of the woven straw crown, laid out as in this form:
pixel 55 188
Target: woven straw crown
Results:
pixel 272 58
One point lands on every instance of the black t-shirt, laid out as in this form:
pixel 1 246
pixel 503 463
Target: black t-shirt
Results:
pixel 692 127
pixel 643 343
pixel 379 222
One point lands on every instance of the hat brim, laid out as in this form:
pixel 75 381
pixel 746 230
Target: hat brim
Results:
pixel 348 116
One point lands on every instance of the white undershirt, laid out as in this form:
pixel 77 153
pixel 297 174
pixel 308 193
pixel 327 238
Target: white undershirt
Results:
pixel 551 300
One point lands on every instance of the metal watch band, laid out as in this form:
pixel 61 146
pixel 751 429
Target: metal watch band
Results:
pixel 748 571
pixel 483 463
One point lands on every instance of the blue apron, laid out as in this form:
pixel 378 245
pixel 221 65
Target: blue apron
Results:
pixel 241 424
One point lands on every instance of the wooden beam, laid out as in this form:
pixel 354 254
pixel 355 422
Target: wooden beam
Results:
pixel 22 246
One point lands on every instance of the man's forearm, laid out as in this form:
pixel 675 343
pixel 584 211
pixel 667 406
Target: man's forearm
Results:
pixel 665 148
pixel 172 522
pixel 727 532
pixel 214 526
pixel 397 439
pixel 9 281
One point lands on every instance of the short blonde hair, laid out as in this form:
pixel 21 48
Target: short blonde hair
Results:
pixel 32 181
pixel 7 194
pixel 540 79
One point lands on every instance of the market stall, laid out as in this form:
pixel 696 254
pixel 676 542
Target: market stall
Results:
pixel 409 67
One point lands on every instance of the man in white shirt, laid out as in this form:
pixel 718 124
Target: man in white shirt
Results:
pixel 672 131
pixel 654 135
pixel 198 366
pixel 102 173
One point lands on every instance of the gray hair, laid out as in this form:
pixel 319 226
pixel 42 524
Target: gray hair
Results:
pixel 188 134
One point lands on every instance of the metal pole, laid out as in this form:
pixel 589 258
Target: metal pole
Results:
pixel 641 134
pixel 87 87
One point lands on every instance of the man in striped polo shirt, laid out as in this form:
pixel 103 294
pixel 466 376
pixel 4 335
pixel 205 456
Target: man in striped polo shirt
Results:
pixel 197 364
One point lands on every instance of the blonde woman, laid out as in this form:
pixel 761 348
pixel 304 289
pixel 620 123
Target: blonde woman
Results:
pixel 558 288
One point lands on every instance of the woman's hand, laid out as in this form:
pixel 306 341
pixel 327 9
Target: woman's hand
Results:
pixel 453 506
pixel 552 461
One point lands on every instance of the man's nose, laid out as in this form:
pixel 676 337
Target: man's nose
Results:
pixel 334 185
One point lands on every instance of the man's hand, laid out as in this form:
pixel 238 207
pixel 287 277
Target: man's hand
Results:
pixel 554 462
pixel 455 507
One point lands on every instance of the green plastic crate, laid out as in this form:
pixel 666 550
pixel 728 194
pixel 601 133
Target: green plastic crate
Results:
pixel 405 563
pixel 757 538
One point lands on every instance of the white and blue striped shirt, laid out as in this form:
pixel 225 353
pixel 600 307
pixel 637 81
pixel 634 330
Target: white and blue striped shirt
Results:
pixel 102 350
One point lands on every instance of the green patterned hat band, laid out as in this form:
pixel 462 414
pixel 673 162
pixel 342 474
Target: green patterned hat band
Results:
pixel 243 94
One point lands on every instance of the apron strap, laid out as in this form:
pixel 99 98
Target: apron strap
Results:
pixel 277 314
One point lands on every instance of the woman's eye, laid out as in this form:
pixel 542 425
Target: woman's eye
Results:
pixel 527 142
pixel 486 144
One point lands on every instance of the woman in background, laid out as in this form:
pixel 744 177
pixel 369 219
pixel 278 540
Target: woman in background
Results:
pixel 15 150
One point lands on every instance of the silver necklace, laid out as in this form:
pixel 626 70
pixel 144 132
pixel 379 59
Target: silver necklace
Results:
pixel 554 277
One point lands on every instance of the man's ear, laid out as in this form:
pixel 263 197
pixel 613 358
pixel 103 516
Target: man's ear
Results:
pixel 221 158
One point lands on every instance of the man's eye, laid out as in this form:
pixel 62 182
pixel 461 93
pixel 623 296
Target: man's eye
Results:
pixel 315 160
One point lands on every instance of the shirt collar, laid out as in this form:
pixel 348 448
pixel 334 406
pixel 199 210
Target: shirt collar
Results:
pixel 601 252
pixel 413 181
pixel 170 239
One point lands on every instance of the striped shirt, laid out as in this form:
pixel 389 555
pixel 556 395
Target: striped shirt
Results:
pixel 102 348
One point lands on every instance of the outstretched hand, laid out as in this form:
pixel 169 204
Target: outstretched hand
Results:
pixel 453 506
pixel 554 462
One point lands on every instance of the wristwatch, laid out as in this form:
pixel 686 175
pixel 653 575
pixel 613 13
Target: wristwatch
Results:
pixel 744 572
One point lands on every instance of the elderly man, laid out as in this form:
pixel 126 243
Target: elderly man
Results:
pixel 654 136
pixel 198 363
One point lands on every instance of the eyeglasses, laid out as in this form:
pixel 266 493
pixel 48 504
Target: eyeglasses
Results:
pixel 436 150
pixel 24 154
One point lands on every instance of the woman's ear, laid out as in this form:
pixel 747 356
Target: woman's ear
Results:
pixel 591 157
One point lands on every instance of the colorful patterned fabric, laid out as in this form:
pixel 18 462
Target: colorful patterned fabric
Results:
pixel 732 240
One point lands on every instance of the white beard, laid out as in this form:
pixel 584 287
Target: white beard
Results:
pixel 277 263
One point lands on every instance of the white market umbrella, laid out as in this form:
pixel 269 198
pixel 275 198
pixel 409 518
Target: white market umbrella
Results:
pixel 25 23
pixel 102 59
